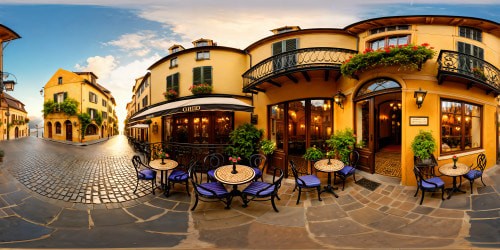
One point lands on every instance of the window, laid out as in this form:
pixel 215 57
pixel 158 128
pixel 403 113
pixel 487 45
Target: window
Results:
pixel 91 130
pixel 389 28
pixel 388 41
pixel 59 80
pixel 92 97
pixel 176 49
pixel 472 33
pixel 104 115
pixel 460 126
pixel 202 75
pixel 60 97
pixel 288 60
pixel 173 82
pixel 145 101
pixel 202 55
pixel 58 128
pixel 92 113
pixel 104 103
pixel 381 84
pixel 202 43
pixel 173 62
pixel 466 63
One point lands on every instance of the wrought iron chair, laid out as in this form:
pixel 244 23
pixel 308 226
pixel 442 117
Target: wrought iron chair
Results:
pixel 207 191
pixel 476 172
pixel 258 190
pixel 179 175
pixel 427 182
pixel 348 170
pixel 258 163
pixel 305 181
pixel 143 172
pixel 212 162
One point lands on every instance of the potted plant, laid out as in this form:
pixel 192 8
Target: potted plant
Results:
pixel 422 146
pixel 313 154
pixel 406 56
pixel 245 140
pixel 342 143
pixel 202 88
pixel 267 147
pixel 170 94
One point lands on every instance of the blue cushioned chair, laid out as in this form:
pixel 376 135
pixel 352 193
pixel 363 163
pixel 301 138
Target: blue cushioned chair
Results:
pixel 427 183
pixel 477 172
pixel 208 191
pixel 143 172
pixel 212 162
pixel 179 175
pixel 258 190
pixel 305 181
pixel 257 162
pixel 348 170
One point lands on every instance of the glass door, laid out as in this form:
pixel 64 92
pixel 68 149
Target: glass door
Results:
pixel 365 130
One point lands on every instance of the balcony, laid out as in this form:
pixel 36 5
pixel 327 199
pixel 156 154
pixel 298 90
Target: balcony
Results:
pixel 467 69
pixel 301 60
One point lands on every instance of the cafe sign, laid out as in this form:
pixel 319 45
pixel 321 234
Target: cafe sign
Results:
pixel 191 109
pixel 419 121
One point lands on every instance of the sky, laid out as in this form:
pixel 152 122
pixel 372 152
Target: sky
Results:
pixel 119 39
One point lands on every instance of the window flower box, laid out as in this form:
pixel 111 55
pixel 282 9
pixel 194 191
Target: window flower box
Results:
pixel 407 56
pixel 200 89
pixel 170 94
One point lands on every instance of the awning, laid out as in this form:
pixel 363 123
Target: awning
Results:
pixel 140 126
pixel 195 105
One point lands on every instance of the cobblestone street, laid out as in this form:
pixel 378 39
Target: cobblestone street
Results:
pixel 54 195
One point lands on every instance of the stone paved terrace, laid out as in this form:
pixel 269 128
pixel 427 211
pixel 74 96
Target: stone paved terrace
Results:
pixel 54 195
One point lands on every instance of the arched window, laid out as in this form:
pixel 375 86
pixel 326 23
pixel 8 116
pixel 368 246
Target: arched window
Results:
pixel 58 127
pixel 378 85
pixel 91 130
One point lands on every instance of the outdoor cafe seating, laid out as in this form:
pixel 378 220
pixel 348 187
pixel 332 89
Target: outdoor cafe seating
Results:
pixel 143 173
pixel 258 190
pixel 348 170
pixel 305 181
pixel 476 172
pixel 207 191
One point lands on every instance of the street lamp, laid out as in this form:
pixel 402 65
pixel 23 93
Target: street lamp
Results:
pixel 7 85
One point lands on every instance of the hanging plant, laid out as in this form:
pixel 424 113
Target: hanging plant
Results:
pixel 170 94
pixel 407 56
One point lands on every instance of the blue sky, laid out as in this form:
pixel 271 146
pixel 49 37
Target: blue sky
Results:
pixel 118 40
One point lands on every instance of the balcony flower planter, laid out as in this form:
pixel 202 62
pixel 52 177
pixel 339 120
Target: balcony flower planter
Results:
pixel 407 57
pixel 200 89
pixel 170 94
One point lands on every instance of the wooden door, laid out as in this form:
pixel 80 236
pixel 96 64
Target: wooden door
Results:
pixel 365 131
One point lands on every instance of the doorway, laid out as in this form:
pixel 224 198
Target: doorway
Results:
pixel 49 129
pixel 378 127
pixel 69 131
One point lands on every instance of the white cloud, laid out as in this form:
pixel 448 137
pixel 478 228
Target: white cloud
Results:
pixel 100 66
pixel 142 43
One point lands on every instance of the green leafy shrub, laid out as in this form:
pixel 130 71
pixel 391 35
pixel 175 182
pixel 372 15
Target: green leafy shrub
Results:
pixel 313 154
pixel 245 140
pixel 423 145
pixel 342 143
pixel 267 147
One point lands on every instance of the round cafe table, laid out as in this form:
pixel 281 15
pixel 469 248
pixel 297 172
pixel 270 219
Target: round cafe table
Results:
pixel 329 166
pixel 448 170
pixel 244 174
pixel 163 168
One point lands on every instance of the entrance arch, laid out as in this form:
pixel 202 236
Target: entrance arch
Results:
pixel 378 126
pixel 69 130
pixel 49 129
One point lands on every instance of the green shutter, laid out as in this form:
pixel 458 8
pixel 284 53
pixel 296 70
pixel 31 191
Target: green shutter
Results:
pixel 197 76
pixel 65 95
pixel 207 74
pixel 169 82
pixel 55 98
pixel 175 82
pixel 290 45
pixel 277 48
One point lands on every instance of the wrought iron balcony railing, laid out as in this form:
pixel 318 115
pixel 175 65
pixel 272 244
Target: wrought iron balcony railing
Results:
pixel 470 67
pixel 319 57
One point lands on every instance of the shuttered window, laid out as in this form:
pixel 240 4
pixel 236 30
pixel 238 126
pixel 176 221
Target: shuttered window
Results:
pixel 60 97
pixel 202 75
pixel 287 60
pixel 92 97
pixel 467 64
pixel 173 82
pixel 472 33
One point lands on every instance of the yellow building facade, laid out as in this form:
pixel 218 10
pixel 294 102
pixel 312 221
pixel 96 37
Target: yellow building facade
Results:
pixel 68 95
pixel 293 75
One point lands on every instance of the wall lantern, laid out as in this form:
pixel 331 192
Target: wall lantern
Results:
pixel 419 96
pixel 41 91
pixel 339 99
